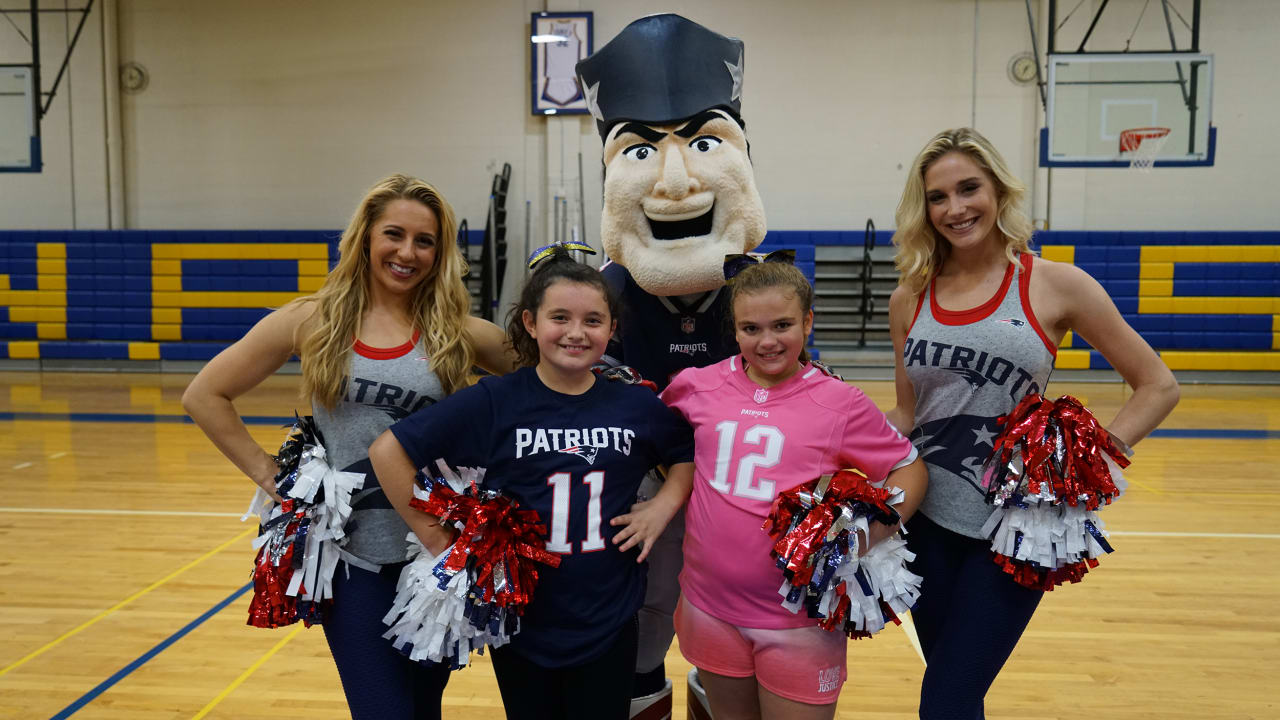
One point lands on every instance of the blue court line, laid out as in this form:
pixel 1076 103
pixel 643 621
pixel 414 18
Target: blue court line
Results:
pixel 1215 434
pixel 137 418
pixel 120 674
pixel 282 420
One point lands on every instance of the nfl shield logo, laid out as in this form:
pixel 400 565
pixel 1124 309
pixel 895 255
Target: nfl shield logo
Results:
pixel 761 395
pixel 686 325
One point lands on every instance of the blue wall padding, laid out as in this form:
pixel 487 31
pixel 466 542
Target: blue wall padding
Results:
pixel 109 283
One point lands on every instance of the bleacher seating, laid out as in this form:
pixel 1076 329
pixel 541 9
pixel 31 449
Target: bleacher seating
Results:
pixel 1204 300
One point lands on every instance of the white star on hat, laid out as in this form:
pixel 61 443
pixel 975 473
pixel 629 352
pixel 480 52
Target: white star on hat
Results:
pixel 735 72
pixel 593 105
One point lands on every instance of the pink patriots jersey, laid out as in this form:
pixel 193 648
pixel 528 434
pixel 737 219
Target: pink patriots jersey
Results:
pixel 751 443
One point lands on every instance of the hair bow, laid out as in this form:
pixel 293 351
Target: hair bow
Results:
pixel 547 251
pixel 737 262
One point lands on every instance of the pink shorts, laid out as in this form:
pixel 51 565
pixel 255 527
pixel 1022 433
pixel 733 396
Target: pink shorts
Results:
pixel 802 664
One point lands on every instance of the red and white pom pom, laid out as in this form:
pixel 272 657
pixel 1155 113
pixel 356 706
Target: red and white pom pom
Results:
pixel 473 593
pixel 1052 468
pixel 298 547
pixel 817 529
pixel 271 606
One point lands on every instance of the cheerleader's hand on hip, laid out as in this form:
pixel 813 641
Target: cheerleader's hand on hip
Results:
pixel 264 475
pixel 648 519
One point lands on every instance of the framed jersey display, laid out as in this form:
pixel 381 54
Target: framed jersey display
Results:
pixel 558 41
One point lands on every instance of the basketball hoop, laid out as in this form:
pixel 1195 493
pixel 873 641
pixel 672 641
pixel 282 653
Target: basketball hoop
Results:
pixel 1145 144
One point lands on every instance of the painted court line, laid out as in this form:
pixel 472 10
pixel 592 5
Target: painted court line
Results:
pixel 909 629
pixel 194 513
pixel 285 420
pixel 1144 486
pixel 248 671
pixel 123 672
pixel 1215 433
pixel 1222 495
pixel 105 613
pixel 135 418
pixel 106 511
pixel 1138 533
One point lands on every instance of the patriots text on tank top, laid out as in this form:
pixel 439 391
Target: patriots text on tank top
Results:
pixel 967 369
pixel 384 385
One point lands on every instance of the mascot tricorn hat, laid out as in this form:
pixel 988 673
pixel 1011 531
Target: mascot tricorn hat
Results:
pixel 662 69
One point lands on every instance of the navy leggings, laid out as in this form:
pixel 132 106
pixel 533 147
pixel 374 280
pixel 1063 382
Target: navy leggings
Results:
pixel 599 689
pixel 969 617
pixel 379 681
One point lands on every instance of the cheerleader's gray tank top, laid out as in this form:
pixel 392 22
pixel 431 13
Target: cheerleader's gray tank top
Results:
pixel 385 385
pixel 968 368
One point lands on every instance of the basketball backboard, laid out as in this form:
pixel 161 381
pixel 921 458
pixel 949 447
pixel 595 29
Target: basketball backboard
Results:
pixel 19 142
pixel 1093 97
pixel 24 99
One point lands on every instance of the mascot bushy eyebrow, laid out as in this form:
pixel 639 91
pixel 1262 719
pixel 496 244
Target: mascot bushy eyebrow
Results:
pixel 679 195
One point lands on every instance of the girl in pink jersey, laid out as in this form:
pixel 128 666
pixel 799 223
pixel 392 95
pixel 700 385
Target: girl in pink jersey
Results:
pixel 765 421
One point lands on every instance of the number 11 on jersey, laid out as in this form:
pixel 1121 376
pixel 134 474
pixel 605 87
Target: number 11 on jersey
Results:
pixel 561 486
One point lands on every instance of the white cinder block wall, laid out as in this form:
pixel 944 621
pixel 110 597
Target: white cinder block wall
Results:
pixel 277 115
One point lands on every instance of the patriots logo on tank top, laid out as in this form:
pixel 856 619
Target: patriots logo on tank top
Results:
pixel 977 367
pixel 397 402
pixel 959 444
pixel 1013 321
pixel 397 413
pixel 971 376
pixel 586 452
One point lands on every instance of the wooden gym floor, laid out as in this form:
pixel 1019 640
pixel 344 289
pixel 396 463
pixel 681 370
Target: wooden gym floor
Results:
pixel 124 570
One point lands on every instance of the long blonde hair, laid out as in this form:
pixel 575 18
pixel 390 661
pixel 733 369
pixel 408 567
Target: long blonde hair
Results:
pixel 440 304
pixel 921 251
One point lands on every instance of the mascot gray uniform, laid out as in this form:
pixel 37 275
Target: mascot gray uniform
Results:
pixel 679 195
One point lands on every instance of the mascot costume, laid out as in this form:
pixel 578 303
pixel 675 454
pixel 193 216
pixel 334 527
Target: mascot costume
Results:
pixel 679 195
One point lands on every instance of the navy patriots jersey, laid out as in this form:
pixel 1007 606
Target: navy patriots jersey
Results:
pixel 660 336
pixel 578 461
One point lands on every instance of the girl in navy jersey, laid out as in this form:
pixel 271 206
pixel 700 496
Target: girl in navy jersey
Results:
pixel 388 332
pixel 976 321
pixel 574 447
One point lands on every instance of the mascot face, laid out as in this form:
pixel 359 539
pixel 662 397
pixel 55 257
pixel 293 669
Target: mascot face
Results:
pixel 677 199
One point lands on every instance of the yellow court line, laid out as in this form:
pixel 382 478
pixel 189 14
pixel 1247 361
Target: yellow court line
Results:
pixel 909 627
pixel 109 511
pixel 126 601
pixel 1222 494
pixel 248 671
pixel 1144 486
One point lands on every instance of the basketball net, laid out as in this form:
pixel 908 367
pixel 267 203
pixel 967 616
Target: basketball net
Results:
pixel 1144 145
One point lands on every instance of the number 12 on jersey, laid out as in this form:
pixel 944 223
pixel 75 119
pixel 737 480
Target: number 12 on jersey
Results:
pixel 561 486
pixel 746 484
